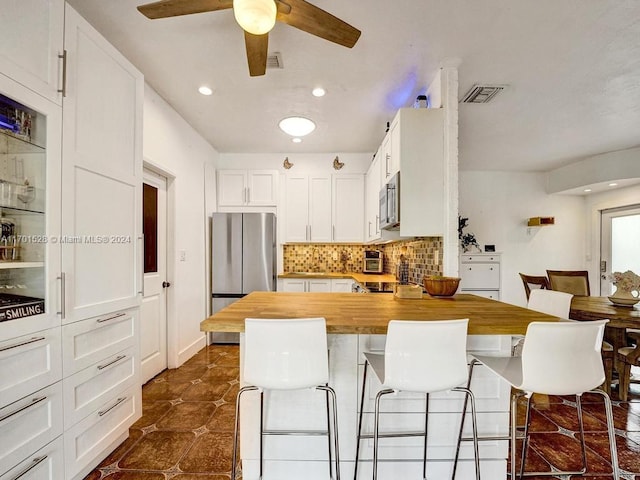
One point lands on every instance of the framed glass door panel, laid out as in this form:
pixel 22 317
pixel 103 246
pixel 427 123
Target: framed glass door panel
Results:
pixel 620 240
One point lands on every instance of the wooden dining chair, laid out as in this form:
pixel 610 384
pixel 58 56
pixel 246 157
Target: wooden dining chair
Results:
pixel 534 281
pixel 575 282
pixel 628 357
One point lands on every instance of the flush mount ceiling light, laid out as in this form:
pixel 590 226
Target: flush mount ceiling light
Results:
pixel 204 90
pixel 255 16
pixel 318 92
pixel 482 93
pixel 297 126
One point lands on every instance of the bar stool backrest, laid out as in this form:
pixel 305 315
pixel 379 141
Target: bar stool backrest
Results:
pixel 562 358
pixel 550 302
pixel 285 354
pixel 426 356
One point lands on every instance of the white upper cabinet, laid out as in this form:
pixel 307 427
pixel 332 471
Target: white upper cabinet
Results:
pixel 238 188
pixel 31 47
pixel 101 175
pixel 371 205
pixel 308 208
pixel 348 208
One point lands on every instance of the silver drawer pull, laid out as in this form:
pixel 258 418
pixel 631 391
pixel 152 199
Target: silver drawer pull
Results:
pixel 26 342
pixel 113 317
pixel 118 402
pixel 36 461
pixel 117 359
pixel 34 401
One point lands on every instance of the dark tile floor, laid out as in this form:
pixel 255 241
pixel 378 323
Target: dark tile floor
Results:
pixel 186 429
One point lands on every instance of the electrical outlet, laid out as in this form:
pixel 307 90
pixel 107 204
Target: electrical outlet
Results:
pixel 183 255
pixel 335 256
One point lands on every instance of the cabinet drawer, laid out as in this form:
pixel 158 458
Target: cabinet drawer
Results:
pixel 492 294
pixel 29 424
pixel 29 363
pixel 480 276
pixel 471 258
pixel 45 464
pixel 88 440
pixel 86 390
pixel 91 341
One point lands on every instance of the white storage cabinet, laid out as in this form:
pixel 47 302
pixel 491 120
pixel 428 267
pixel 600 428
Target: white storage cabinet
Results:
pixel 240 188
pixel 480 274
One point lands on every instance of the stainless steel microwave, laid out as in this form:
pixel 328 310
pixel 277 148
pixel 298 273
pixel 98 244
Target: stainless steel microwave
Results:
pixel 390 204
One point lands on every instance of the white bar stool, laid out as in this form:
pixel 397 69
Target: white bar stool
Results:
pixel 424 357
pixel 557 359
pixel 287 354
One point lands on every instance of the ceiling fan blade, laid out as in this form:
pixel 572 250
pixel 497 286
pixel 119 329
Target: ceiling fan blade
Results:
pixel 174 8
pixel 256 53
pixel 314 20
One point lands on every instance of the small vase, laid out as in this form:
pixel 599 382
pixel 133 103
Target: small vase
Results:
pixel 624 298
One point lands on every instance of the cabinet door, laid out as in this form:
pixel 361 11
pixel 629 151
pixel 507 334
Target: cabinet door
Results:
pixel 372 194
pixel 294 285
pixel 262 186
pixel 319 285
pixel 394 149
pixel 44 464
pixel 478 276
pixel 101 175
pixel 297 209
pixel 348 208
pixel 386 151
pixel 232 188
pixel 341 285
pixel 320 209
pixel 32 32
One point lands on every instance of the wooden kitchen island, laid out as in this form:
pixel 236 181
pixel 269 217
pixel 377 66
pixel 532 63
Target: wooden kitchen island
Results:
pixel 357 323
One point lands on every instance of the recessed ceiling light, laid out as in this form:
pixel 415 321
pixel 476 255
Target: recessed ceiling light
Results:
pixel 296 140
pixel 613 184
pixel 318 92
pixel 204 90
pixel 587 190
pixel 297 126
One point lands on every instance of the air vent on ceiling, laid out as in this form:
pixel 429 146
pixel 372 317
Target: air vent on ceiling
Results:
pixel 275 60
pixel 482 93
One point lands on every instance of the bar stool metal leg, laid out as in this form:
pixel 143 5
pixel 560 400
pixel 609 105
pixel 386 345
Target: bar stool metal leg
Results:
pixel 236 431
pixel 376 428
pixel 472 364
pixel 474 426
pixel 426 430
pixel 358 437
pixel 611 431
pixel 336 446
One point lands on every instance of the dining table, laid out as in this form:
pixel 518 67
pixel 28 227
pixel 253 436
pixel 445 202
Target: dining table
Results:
pixel 620 318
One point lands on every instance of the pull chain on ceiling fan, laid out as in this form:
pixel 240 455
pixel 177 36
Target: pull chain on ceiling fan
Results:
pixel 257 18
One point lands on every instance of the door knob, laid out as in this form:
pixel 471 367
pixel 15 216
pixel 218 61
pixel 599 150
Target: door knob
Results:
pixel 166 284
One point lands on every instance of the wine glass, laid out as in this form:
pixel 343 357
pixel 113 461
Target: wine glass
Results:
pixel 26 194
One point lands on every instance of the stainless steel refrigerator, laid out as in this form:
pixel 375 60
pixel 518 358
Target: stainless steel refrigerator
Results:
pixel 243 260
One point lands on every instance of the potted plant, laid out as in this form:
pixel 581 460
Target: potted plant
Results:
pixel 467 240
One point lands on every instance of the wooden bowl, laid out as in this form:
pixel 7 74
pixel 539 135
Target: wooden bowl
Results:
pixel 441 286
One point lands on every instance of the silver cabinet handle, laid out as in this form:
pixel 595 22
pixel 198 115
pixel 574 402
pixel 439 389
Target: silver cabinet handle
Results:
pixel 333 233
pixel 377 223
pixel 118 402
pixel 34 401
pixel 34 463
pixel 63 295
pixel 387 158
pixel 248 195
pixel 63 57
pixel 112 317
pixel 26 342
pixel 117 359
pixel 141 263
pixel 369 229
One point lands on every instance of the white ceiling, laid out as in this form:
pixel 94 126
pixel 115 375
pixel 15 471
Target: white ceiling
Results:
pixel 572 66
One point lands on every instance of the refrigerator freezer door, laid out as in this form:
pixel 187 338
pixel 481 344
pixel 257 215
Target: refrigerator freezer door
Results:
pixel 218 304
pixel 226 255
pixel 259 252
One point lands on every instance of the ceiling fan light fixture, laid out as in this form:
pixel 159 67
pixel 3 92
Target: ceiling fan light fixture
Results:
pixel 297 126
pixel 255 16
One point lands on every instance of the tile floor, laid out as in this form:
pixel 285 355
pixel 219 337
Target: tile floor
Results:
pixel 186 429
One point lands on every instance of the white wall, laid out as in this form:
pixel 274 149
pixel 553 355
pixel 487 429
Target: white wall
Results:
pixel 498 205
pixel 174 147
pixel 307 162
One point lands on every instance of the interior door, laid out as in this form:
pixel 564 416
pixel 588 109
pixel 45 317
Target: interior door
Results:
pixel 620 232
pixel 153 312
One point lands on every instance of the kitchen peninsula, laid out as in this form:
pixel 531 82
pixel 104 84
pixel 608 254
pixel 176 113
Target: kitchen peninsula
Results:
pixel 357 323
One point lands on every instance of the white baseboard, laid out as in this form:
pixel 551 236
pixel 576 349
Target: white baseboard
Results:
pixel 188 352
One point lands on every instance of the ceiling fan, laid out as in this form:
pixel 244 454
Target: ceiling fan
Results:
pixel 257 18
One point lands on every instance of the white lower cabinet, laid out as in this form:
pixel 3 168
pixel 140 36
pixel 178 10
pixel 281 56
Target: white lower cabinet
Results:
pixel 29 363
pixel 311 285
pixel 29 424
pixel 45 464
pixel 480 274
pixel 341 285
pixel 89 440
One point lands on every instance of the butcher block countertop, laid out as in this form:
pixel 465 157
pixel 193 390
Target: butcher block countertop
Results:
pixel 357 276
pixel 358 313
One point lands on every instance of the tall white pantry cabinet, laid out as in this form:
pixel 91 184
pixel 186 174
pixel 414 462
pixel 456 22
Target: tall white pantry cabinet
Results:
pixel 69 377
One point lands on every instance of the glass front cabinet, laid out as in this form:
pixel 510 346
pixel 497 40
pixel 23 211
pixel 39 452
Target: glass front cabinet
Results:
pixel 29 258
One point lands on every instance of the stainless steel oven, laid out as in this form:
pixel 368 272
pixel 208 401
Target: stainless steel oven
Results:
pixel 372 261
